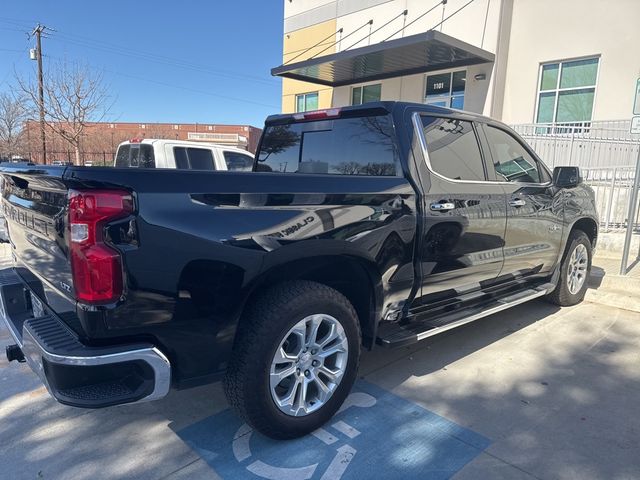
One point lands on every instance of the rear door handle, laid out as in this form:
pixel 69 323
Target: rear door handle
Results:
pixel 518 202
pixel 441 207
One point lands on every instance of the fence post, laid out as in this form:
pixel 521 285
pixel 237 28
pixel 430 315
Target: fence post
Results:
pixel 610 205
pixel 633 203
pixel 573 133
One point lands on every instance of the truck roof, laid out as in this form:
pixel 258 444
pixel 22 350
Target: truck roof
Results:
pixel 382 106
pixel 185 143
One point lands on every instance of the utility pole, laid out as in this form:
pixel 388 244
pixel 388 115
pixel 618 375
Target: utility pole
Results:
pixel 38 34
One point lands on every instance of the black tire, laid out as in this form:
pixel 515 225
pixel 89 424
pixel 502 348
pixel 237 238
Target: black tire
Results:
pixel 263 326
pixel 562 295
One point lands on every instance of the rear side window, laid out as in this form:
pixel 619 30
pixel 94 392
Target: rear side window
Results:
pixel 238 162
pixel 122 157
pixel 137 156
pixel 511 160
pixel 344 146
pixel 193 158
pixel 453 148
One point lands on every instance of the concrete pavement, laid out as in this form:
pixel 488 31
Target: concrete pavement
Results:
pixel 555 392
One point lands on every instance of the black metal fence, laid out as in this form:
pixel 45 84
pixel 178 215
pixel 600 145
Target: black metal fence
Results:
pixel 96 159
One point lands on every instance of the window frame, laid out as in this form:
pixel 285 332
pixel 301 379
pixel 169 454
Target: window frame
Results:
pixel 539 163
pixel 304 95
pixel 188 157
pixel 397 160
pixel 450 95
pixel 556 91
pixel 485 150
pixel 362 87
pixel 417 124
pixel 231 152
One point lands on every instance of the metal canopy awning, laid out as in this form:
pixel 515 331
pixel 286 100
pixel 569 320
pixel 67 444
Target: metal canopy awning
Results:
pixel 424 52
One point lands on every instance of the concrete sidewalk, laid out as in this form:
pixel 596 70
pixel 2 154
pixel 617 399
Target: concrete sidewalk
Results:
pixel 554 391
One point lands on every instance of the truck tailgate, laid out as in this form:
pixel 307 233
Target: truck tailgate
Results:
pixel 34 204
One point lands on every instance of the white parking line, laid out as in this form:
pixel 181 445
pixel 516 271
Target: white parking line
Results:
pixel 345 428
pixel 324 436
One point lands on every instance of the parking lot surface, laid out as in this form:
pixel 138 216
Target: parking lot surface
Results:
pixel 532 392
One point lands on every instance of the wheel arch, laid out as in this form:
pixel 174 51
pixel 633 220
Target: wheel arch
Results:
pixel 589 226
pixel 355 278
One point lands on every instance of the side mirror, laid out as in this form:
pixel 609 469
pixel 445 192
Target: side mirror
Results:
pixel 566 177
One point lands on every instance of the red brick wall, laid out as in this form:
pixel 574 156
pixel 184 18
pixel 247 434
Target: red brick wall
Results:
pixel 104 137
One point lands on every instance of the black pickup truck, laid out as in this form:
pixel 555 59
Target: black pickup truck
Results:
pixel 368 226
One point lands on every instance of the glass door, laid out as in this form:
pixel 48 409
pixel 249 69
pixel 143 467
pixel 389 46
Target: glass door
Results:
pixel 446 89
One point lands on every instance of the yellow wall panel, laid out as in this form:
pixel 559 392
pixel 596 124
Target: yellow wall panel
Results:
pixel 294 44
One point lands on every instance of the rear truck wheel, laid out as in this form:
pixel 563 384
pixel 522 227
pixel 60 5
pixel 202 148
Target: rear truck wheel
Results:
pixel 574 271
pixel 295 359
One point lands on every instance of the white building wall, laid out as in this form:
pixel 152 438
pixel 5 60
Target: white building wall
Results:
pixel 522 33
pixel 550 30
pixel 468 25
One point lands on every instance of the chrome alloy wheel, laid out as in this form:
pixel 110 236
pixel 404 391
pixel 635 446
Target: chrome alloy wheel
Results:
pixel 577 269
pixel 308 365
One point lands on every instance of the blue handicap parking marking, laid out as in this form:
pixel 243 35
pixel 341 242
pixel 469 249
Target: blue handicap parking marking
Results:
pixel 375 434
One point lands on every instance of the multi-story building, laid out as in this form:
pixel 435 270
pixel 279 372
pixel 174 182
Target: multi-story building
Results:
pixel 521 61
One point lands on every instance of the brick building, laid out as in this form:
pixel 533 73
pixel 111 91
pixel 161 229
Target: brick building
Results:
pixel 101 139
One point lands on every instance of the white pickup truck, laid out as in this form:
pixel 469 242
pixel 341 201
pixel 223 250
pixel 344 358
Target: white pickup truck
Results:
pixel 181 154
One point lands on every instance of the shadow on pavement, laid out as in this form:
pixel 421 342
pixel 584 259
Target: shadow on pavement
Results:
pixel 557 398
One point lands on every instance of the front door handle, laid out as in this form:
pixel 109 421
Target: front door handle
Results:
pixel 442 206
pixel 517 202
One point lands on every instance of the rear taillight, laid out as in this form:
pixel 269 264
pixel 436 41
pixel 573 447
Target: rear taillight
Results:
pixel 96 267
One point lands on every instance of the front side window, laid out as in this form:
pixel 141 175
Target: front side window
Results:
pixel 193 158
pixel 366 93
pixel 446 89
pixel 306 102
pixel 238 162
pixel 342 146
pixel 566 91
pixel 453 148
pixel 512 162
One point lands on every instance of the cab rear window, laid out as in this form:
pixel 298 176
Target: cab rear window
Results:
pixel 342 146
pixel 136 156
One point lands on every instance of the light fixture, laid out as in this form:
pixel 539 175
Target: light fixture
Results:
pixel 480 76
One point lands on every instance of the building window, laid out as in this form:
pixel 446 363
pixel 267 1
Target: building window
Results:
pixel 306 102
pixel 566 91
pixel 176 127
pixel 143 126
pixel 446 89
pixel 366 93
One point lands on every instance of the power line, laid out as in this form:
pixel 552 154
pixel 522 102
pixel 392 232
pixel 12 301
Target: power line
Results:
pixel 161 59
pixel 172 85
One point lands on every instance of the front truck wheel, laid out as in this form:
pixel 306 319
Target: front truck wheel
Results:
pixel 574 271
pixel 295 358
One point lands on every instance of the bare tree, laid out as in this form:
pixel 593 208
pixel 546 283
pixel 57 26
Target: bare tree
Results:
pixel 74 96
pixel 13 113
